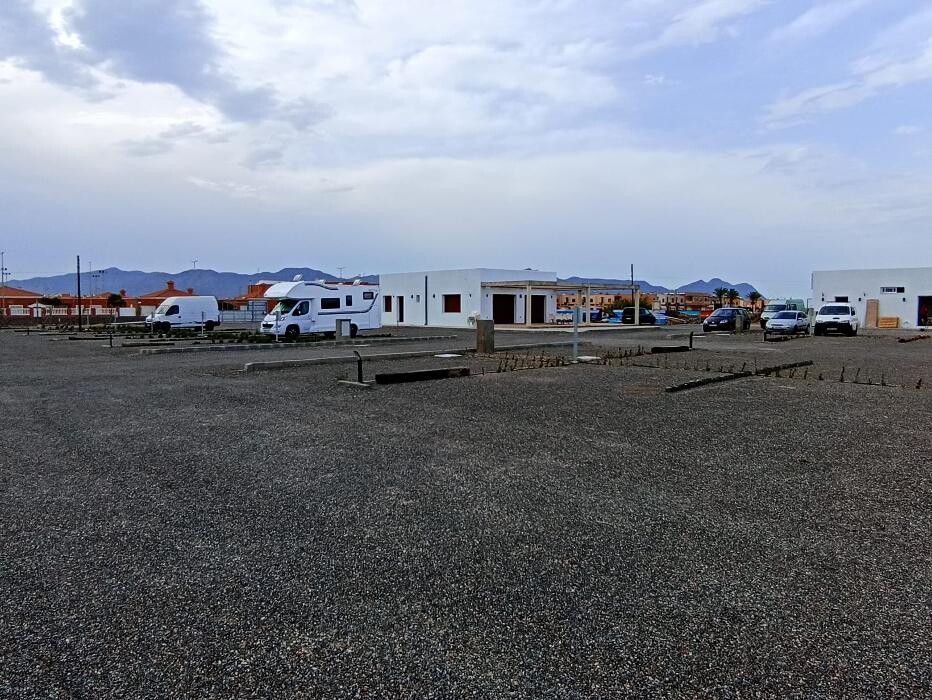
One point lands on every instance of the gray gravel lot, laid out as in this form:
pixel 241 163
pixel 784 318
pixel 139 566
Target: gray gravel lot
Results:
pixel 174 528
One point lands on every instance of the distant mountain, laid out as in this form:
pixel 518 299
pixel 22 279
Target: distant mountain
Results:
pixel 711 285
pixel 135 282
pixel 698 286
pixel 232 284
pixel 608 284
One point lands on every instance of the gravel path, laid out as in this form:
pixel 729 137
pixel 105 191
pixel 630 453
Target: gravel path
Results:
pixel 173 528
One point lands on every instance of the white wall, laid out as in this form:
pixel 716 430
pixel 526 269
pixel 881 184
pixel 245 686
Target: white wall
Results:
pixel 466 283
pixel 861 285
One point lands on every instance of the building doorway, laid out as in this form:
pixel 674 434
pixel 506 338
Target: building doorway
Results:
pixel 503 308
pixel 538 308
pixel 925 311
pixel 401 309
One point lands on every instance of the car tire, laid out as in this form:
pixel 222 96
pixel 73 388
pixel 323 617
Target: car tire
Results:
pixel 353 330
pixel 209 326
pixel 292 332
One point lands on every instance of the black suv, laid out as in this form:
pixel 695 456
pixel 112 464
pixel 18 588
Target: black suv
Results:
pixel 727 319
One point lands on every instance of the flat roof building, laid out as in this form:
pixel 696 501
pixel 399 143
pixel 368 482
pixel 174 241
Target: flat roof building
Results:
pixel 458 298
pixel 889 298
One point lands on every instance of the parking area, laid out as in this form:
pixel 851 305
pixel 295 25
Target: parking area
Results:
pixel 175 527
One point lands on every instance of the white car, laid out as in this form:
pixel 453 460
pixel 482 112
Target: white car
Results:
pixel 788 322
pixel 837 317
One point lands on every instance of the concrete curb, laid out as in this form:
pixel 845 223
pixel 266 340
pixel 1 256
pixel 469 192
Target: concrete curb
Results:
pixel 343 359
pixel 293 346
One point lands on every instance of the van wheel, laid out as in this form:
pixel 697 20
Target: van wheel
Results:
pixel 209 326
pixel 353 330
pixel 292 332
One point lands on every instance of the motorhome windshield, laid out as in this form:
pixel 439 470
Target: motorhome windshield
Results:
pixel 284 306
pixel 775 307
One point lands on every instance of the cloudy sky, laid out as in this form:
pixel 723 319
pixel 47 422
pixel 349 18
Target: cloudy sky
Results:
pixel 750 139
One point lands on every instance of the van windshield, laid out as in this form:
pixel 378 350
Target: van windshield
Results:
pixel 284 306
pixel 163 309
pixel 775 307
pixel 834 311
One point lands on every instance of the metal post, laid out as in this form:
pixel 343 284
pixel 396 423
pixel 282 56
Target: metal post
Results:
pixel 690 340
pixel 80 312
pixel 278 320
pixel 358 366
pixel 576 332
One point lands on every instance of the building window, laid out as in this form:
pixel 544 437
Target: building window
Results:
pixel 387 304
pixel 893 290
pixel 368 296
pixel 330 303
pixel 452 304
pixel 843 300
pixel 349 300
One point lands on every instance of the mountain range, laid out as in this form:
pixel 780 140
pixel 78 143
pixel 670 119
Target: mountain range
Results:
pixel 232 284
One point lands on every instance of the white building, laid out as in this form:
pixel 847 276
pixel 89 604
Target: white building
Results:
pixel 903 293
pixel 456 298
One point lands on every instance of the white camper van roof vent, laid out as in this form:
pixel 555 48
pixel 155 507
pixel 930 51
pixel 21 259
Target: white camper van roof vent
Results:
pixel 298 278
pixel 357 281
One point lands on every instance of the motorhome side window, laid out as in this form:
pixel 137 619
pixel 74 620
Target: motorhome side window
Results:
pixel 330 303
pixel 349 299
pixel 368 296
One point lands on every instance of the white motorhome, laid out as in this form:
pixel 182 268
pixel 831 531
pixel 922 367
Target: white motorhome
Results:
pixel 316 307
pixel 185 312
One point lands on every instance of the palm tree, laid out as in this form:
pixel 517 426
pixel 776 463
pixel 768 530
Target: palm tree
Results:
pixel 754 297
pixel 733 296
pixel 720 293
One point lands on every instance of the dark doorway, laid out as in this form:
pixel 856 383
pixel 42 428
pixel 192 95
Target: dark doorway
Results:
pixel 401 309
pixel 925 311
pixel 538 308
pixel 503 308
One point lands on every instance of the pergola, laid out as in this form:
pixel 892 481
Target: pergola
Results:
pixel 579 289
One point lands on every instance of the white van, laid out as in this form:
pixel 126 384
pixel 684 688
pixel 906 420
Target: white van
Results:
pixel 837 317
pixel 315 307
pixel 775 306
pixel 185 312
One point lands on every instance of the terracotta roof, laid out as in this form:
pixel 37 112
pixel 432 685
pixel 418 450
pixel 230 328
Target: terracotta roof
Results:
pixel 14 292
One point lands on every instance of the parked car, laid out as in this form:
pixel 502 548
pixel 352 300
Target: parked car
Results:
pixel 836 317
pixel 646 316
pixel 727 319
pixel 775 306
pixel 789 322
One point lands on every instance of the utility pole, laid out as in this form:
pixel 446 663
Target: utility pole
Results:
pixel 3 283
pixel 341 268
pixel 194 262
pixel 80 317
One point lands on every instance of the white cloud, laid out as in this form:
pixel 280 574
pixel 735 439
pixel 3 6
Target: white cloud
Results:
pixel 907 130
pixel 818 19
pixel 700 23
pixel 872 75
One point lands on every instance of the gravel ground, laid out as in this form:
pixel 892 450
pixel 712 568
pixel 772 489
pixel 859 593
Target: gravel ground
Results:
pixel 173 528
